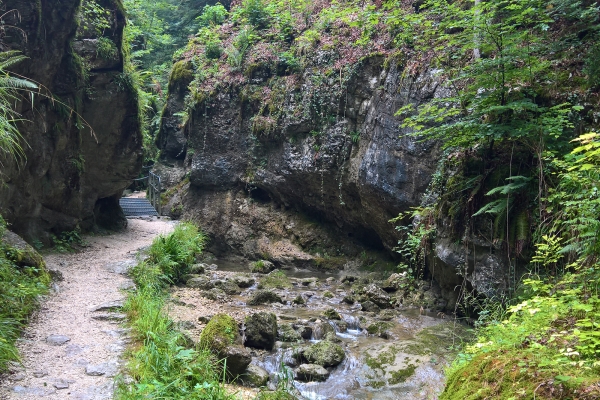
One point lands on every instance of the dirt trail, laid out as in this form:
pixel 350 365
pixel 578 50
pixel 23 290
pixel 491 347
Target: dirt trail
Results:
pixel 72 348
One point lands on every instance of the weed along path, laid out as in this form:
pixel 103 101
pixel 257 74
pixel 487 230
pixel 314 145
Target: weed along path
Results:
pixel 73 346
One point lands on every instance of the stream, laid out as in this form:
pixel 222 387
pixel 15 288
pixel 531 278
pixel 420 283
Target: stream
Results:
pixel 404 358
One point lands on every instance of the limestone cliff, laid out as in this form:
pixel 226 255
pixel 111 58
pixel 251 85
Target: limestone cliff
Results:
pixel 71 176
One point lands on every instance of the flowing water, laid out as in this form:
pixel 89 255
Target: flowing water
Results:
pixel 406 362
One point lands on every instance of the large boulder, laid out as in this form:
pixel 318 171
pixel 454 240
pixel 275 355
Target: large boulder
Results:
pixel 261 330
pixel 20 252
pixel 74 176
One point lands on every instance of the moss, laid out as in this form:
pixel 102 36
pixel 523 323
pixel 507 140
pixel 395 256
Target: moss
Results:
pixel 328 295
pixel 181 76
pixel 325 353
pixel 220 332
pixel 376 384
pixel 402 375
pixel 330 313
pixel 382 359
pixel 276 279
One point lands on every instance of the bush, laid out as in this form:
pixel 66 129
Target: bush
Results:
pixel 107 49
pixel 161 363
pixel 213 15
pixel 257 13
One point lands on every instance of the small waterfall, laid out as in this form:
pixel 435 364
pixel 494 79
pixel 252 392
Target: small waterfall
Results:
pixel 352 321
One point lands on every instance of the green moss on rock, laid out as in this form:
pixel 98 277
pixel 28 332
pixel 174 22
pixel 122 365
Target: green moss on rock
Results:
pixel 325 353
pixel 220 332
pixel 181 75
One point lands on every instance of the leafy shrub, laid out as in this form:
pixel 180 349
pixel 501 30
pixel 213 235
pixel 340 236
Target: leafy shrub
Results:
pixel 257 13
pixel 213 15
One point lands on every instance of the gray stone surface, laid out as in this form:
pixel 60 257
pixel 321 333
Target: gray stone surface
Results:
pixel 57 340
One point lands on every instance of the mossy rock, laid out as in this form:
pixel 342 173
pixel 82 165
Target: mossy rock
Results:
pixel 328 295
pixel 311 373
pixel 380 329
pixel 330 313
pixel 299 300
pixel 181 75
pixel 275 279
pixel 325 354
pixel 264 297
pixel 261 330
pixel 262 267
pixel 255 376
pixel 288 334
pixel 220 332
pixel 20 252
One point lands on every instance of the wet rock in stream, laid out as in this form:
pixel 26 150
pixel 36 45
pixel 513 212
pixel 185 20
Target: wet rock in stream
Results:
pixel 288 334
pixel 263 297
pixel 311 373
pixel 261 330
pixel 324 353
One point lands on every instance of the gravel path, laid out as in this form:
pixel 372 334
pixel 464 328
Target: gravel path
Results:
pixel 73 346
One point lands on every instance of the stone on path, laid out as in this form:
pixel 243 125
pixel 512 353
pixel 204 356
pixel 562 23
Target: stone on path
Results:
pixel 120 267
pixel 108 369
pixel 33 391
pixel 57 340
pixel 109 305
pixel 116 317
pixel 61 384
pixel 40 373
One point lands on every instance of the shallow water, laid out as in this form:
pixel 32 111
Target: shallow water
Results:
pixel 408 364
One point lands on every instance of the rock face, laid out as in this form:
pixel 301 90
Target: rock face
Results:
pixel 340 159
pixel 71 176
pixel 358 182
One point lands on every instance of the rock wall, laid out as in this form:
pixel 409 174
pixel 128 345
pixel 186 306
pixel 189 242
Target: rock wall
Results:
pixel 249 188
pixel 71 176
pixel 359 171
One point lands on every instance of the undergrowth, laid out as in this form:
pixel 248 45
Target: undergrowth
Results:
pixel 547 344
pixel 20 290
pixel 160 362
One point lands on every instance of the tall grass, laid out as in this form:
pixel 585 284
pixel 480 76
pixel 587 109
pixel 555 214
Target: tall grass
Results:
pixel 160 363
pixel 20 290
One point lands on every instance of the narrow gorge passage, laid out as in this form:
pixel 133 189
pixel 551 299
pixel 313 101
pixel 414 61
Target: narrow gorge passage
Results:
pixel 73 346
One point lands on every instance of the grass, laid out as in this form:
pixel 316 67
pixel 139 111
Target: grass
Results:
pixel 160 362
pixel 20 290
